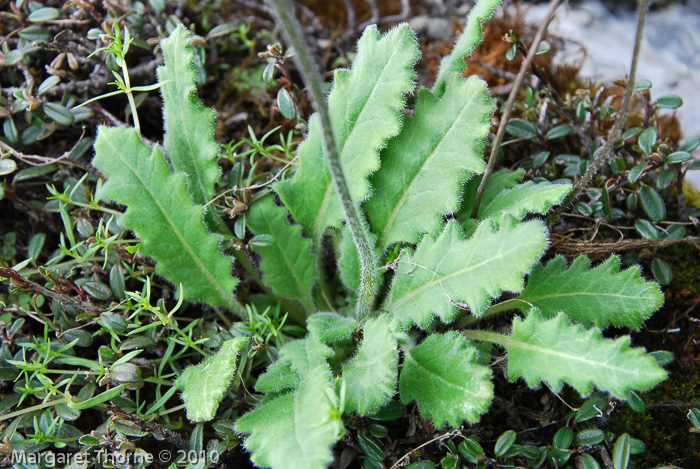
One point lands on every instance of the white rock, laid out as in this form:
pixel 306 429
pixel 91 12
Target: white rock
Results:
pixel 603 43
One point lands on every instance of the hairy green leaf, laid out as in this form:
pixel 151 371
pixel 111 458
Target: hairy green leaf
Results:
pixel 424 167
pixel 497 183
pixel 364 106
pixel 299 357
pixel 652 203
pixel 442 376
pixel 162 215
pixel 597 297
pixel 277 377
pixel 371 375
pixel 287 263
pixel 525 198
pixel 447 271
pixel 305 354
pixel 556 351
pixel 503 194
pixel 189 126
pixel 467 42
pixel 295 430
pixel 204 385
pixel 331 328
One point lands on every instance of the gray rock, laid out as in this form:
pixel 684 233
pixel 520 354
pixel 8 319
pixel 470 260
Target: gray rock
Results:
pixel 433 28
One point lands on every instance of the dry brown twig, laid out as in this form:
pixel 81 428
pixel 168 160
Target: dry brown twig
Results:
pixel 18 281
pixel 254 186
pixel 568 246
pixel 520 77
pixel 618 126
pixel 36 160
pixel 445 436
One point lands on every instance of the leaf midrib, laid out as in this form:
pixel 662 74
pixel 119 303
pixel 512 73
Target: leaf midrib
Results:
pixel 433 151
pixel 507 341
pixel 441 378
pixel 180 113
pixel 395 304
pixel 581 293
pixel 306 299
pixel 188 248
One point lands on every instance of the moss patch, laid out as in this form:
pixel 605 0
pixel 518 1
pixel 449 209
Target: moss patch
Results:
pixel 684 260
pixel 664 427
pixel 692 197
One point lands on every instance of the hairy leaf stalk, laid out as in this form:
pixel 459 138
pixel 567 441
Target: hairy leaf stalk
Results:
pixel 619 124
pixel 370 277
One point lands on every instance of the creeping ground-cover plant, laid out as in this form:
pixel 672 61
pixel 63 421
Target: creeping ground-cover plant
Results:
pixel 393 203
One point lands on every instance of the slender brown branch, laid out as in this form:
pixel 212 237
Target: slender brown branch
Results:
pixel 616 131
pixel 36 160
pixel 553 4
pixel 18 281
pixel 570 247
pixel 255 186
pixel 445 436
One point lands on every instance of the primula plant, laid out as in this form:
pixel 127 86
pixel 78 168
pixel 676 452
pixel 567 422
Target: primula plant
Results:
pixel 391 203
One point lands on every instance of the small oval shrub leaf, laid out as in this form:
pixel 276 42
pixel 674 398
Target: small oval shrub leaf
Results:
pixel 642 84
pixel 621 452
pixel 286 103
pixel 504 442
pixel 43 14
pixel 678 157
pixel 563 438
pixel 559 131
pixel 48 83
pixel 58 113
pixel 7 166
pixel 669 101
pixel 690 144
pixel 370 448
pixel 646 229
pixel 636 403
pixel 652 203
pixel 588 462
pixel 635 172
pixel 36 243
pixel 521 128
pixel 647 139
pixel 662 271
pixel 589 437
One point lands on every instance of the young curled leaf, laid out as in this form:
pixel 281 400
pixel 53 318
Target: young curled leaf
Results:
pixel 295 429
pixel 204 385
